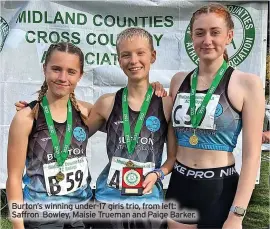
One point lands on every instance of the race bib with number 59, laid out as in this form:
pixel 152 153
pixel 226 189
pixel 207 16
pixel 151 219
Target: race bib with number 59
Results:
pixel 75 172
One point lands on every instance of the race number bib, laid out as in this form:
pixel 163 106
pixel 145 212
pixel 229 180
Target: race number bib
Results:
pixel 181 111
pixel 75 172
pixel 116 170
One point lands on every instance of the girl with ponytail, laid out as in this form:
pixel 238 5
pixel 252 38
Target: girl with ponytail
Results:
pixel 45 138
pixel 212 104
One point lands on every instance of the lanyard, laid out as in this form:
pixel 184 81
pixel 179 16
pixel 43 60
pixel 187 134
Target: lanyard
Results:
pixel 197 116
pixel 132 141
pixel 60 155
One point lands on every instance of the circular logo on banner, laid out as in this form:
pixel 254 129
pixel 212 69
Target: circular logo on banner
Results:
pixel 152 123
pixel 79 134
pixel 132 177
pixel 4 28
pixel 219 110
pixel 242 42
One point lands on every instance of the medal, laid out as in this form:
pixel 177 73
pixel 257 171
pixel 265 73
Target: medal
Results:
pixel 60 176
pixel 193 140
pixel 59 155
pixel 197 115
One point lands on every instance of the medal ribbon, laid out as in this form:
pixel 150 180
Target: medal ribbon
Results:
pixel 197 116
pixel 131 142
pixel 59 155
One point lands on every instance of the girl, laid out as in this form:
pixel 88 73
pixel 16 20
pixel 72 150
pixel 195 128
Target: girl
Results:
pixel 46 138
pixel 211 104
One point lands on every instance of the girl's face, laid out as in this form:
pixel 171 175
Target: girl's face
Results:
pixel 136 57
pixel 210 36
pixel 62 73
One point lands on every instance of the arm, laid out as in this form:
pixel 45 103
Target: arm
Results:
pixel 171 149
pixel 252 116
pixel 19 131
pixel 100 113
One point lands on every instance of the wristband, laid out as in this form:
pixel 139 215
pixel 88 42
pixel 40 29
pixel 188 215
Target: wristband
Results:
pixel 160 172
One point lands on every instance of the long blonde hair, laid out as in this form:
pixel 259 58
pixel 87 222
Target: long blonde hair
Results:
pixel 68 48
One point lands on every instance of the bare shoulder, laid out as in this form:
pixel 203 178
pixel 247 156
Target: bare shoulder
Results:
pixel 23 120
pixel 104 105
pixel 106 99
pixel 247 81
pixel 85 107
pixel 176 82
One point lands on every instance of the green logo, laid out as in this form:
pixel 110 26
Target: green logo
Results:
pixel 132 177
pixel 4 29
pixel 241 45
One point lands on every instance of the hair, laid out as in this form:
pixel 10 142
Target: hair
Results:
pixel 132 32
pixel 221 11
pixel 67 48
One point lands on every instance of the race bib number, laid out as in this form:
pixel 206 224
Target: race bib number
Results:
pixel 75 173
pixel 116 170
pixel 181 111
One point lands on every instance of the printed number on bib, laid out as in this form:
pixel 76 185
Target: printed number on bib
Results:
pixel 116 170
pixel 181 111
pixel 75 173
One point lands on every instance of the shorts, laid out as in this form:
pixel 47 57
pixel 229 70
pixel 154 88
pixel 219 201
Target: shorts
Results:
pixel 209 192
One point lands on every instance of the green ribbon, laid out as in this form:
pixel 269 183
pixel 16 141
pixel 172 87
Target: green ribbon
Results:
pixel 197 116
pixel 131 142
pixel 60 155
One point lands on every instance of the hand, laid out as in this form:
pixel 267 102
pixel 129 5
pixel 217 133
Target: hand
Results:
pixel 159 90
pixel 20 105
pixel 233 222
pixel 149 182
pixel 266 137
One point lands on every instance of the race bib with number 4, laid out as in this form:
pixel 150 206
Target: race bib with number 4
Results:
pixel 75 172
pixel 116 170
pixel 181 111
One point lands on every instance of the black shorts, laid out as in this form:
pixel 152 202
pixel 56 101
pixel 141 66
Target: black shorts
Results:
pixel 209 192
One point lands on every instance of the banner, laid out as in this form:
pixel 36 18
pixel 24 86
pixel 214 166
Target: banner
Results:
pixel 28 28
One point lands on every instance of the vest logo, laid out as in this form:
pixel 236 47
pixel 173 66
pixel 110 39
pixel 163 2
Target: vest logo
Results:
pixel 4 28
pixel 152 123
pixel 242 43
pixel 219 110
pixel 79 134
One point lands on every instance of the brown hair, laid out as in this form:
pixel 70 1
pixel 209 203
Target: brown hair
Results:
pixel 61 47
pixel 221 11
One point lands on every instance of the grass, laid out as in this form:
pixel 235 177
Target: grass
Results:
pixel 258 212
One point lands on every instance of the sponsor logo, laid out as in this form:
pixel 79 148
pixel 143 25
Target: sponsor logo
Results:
pixel 242 43
pixel 118 122
pixel 219 110
pixel 79 134
pixel 152 123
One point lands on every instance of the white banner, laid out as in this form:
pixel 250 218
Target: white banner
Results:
pixel 28 28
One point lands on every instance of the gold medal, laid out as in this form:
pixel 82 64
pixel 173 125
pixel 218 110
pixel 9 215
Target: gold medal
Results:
pixel 193 140
pixel 60 176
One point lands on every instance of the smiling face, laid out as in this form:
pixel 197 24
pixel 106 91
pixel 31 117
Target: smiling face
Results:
pixel 62 73
pixel 210 35
pixel 135 57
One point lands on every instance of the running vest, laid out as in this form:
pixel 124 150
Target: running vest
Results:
pixel 40 153
pixel 148 150
pixel 221 124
